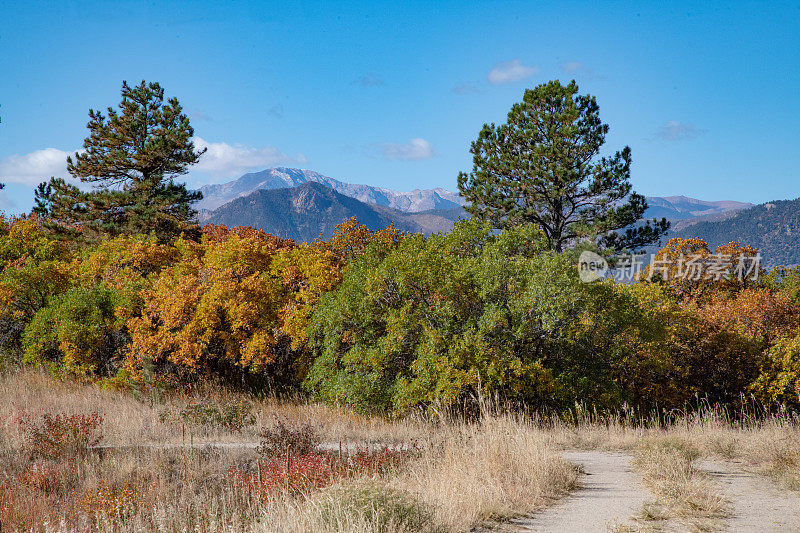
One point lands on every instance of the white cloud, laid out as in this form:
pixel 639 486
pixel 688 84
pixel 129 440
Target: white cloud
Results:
pixel 467 88
pixel 223 160
pixel 35 167
pixel 510 71
pixel 368 80
pixel 678 131
pixel 414 150
pixel 577 68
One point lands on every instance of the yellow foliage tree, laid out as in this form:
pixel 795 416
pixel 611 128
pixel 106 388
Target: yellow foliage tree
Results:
pixel 240 300
pixel 216 306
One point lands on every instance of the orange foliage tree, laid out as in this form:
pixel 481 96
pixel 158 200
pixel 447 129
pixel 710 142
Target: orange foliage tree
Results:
pixel 238 301
pixel 745 323
pixel 216 306
pixel 691 272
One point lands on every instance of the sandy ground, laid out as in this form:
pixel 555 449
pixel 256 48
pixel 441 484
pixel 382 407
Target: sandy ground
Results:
pixel 611 494
pixel 758 504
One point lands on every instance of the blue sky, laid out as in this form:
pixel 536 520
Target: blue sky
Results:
pixel 707 95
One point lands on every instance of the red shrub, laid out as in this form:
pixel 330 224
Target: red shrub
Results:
pixel 47 476
pixel 62 435
pixel 297 474
pixel 313 470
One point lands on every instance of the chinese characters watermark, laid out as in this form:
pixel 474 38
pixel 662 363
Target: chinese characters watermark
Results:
pixel 694 267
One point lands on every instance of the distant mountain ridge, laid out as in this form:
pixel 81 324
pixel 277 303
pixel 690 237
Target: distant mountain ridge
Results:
pixel 303 204
pixel 773 228
pixel 684 208
pixel 312 210
pixel 673 208
pixel 414 201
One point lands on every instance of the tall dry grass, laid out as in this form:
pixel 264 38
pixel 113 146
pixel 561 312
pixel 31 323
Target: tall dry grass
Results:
pixel 152 473
pixel 492 470
pixel 682 491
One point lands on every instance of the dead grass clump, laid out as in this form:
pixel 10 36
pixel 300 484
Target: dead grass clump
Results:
pixel 682 491
pixel 496 469
pixel 778 457
pixel 371 508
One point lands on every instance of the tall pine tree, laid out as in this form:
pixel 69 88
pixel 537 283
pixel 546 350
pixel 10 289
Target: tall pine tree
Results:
pixel 543 167
pixel 128 167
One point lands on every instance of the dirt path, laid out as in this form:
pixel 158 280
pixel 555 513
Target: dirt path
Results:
pixel 612 493
pixel 758 505
pixel 218 445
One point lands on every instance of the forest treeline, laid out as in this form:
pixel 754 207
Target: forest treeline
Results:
pixel 385 321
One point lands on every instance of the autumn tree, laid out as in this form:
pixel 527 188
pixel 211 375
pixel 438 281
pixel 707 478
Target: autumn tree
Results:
pixel 756 312
pixel 694 274
pixel 33 268
pixel 216 310
pixel 310 271
pixel 779 380
pixel 130 161
pixel 543 167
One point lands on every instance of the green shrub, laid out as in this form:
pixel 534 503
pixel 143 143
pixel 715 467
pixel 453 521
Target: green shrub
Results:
pixel 78 329
pixel 779 380
pixel 437 320
pixel 33 268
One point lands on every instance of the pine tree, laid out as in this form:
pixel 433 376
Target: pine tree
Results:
pixel 127 167
pixel 543 167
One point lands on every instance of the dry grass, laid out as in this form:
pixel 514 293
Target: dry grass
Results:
pixel 495 470
pixel 764 443
pixel 144 478
pixel 129 421
pixel 682 491
pixel 465 475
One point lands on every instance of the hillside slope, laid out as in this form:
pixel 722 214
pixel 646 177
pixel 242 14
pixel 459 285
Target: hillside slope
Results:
pixel 310 210
pixel 773 228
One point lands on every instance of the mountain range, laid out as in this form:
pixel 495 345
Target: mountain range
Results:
pixel 312 210
pixel 683 211
pixel 674 208
pixel 303 205
pixel 414 201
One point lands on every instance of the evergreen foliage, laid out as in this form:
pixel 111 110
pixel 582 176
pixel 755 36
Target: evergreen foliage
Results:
pixel 129 163
pixel 543 167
